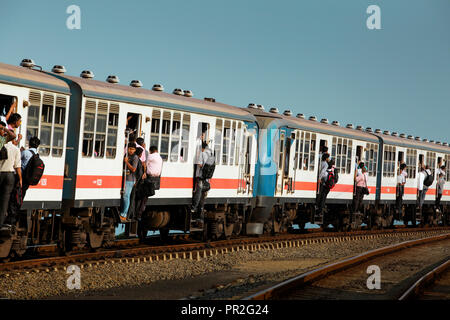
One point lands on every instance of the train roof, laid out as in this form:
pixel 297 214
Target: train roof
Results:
pixel 109 91
pixel 31 79
pixel 410 143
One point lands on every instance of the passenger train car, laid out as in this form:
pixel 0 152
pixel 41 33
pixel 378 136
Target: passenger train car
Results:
pixel 266 177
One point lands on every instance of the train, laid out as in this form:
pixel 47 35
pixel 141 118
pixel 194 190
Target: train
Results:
pixel 267 163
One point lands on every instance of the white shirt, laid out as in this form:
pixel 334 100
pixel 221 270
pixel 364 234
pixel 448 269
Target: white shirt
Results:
pixel 439 171
pixel 203 157
pixel 421 178
pixel 401 178
pixel 13 161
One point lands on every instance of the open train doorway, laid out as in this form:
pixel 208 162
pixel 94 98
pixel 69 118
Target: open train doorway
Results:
pixel 323 148
pixel 8 105
pixel 133 125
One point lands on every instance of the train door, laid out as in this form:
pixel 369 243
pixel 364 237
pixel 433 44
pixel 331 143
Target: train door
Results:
pixel 280 169
pixel 245 174
pixel 285 172
pixel 323 148
pixel 289 169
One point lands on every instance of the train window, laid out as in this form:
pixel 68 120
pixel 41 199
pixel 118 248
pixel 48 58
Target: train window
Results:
pixel 113 124
pixel 431 161
pixel 58 127
pixel 175 137
pixel 233 142
pixel 226 142
pixel 46 124
pixel 218 140
pixel 312 153
pixel 447 167
pixel 33 115
pixel 300 151
pixel 341 155
pixel 371 159
pixel 165 134
pixel 89 125
pixel 282 147
pixel 306 151
pixel 389 161
pixel 297 145
pixel 238 144
pixel 349 155
pixel 154 132
pixel 100 130
pixel 185 137
pixel 6 103
pixel 411 163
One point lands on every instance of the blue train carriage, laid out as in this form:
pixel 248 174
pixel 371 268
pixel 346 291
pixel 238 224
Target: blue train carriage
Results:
pixel 176 123
pixel 43 103
pixel 414 152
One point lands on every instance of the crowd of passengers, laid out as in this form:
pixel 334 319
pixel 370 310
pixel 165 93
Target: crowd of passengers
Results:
pixel 328 178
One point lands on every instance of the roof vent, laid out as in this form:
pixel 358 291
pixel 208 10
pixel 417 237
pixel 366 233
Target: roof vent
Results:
pixel 274 110
pixel 252 106
pixel 336 123
pixel 287 113
pixel 260 107
pixel 112 79
pixel 394 134
pixel 431 141
pixel 387 132
pixel 438 142
pixel 377 130
pixel 58 69
pixel 158 87
pixel 349 126
pixel 178 92
pixel 312 118
pixel 87 74
pixel 360 128
pixel 445 144
pixel 425 140
pixel 300 116
pixel 369 129
pixel 27 63
pixel 188 93
pixel 136 83
pixel 323 121
pixel 410 137
pixel 210 99
pixel 417 138
pixel 402 135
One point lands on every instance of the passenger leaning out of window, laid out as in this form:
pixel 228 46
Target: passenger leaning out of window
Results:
pixel 9 165
pixel 131 163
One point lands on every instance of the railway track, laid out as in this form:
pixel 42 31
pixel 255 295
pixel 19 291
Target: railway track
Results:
pixel 399 268
pixel 195 250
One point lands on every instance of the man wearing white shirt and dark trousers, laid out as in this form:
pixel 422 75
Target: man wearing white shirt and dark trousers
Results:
pixel 401 181
pixel 200 193
pixel 422 185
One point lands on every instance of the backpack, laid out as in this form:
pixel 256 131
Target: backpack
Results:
pixel 428 179
pixel 209 167
pixel 332 179
pixel 34 170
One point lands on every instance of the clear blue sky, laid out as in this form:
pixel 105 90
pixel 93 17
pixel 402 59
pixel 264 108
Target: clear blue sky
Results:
pixel 316 57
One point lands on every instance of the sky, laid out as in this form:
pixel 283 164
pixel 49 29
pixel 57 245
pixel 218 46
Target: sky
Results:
pixel 315 57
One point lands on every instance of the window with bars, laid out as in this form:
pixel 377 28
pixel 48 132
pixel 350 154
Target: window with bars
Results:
pixel 447 167
pixel 226 142
pixel 33 115
pixel 431 161
pixel 46 124
pixel 341 152
pixel 411 162
pixel 238 143
pixel 89 127
pixel 233 143
pixel 307 151
pixel 113 124
pixel 165 136
pixel 175 137
pixel 389 161
pixel 218 140
pixel 297 146
pixel 186 123
pixel 371 159
pixel 155 128
pixel 58 126
pixel 100 130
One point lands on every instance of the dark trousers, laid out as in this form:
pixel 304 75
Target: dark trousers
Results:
pixel 323 193
pixel 198 199
pixel 438 200
pixel 399 199
pixel 358 198
pixel 422 194
pixel 7 181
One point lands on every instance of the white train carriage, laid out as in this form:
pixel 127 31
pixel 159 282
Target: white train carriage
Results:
pixel 43 103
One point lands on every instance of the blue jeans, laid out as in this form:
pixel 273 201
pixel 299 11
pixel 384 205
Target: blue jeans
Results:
pixel 126 197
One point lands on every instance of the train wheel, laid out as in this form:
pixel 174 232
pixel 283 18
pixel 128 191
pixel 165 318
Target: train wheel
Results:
pixel 95 240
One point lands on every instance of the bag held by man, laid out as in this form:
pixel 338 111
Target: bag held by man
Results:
pixel 428 179
pixel 365 190
pixel 34 170
pixel 209 167
pixel 332 179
